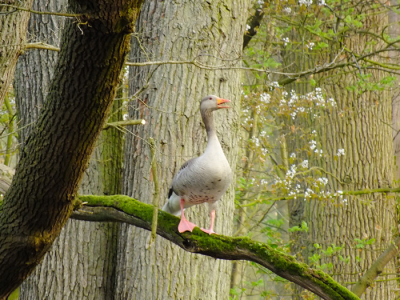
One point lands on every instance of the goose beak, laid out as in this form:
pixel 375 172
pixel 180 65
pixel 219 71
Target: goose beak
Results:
pixel 222 101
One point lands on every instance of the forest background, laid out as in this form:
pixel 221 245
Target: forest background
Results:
pixel 103 97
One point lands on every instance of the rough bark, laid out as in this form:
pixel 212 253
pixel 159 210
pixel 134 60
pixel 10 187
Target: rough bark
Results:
pixel 368 146
pixel 35 68
pixel 394 31
pixel 13 24
pixel 61 275
pixel 359 126
pixel 57 152
pixel 211 31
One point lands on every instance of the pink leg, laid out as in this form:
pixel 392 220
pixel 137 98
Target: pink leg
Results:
pixel 211 230
pixel 184 224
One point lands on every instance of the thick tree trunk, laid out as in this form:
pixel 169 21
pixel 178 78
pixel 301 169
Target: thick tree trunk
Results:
pixel 61 275
pixel 394 31
pixel 58 149
pixel 13 24
pixel 368 146
pixel 359 126
pixel 210 32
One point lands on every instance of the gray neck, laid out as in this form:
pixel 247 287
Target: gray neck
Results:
pixel 213 144
pixel 208 120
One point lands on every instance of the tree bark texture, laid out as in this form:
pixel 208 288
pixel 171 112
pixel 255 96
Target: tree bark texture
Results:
pixel 58 149
pixel 368 163
pixel 35 68
pixel 359 125
pixel 394 31
pixel 13 24
pixel 212 32
pixel 80 264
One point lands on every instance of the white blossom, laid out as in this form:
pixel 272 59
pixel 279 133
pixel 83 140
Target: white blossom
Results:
pixel 308 193
pixel 256 141
pixel 304 164
pixel 313 144
pixel 287 10
pixel 275 84
pixel 305 2
pixel 285 40
pixel 340 152
pixel 318 152
pixel 323 180
pixel 265 98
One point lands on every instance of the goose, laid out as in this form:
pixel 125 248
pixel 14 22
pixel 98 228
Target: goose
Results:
pixel 202 179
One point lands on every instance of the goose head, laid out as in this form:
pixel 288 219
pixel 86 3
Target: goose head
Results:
pixel 211 103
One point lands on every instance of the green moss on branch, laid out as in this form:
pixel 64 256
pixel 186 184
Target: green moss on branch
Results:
pixel 120 208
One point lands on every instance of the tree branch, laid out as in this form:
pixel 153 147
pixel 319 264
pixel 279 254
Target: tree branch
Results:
pixel 42 12
pixel 119 208
pixel 377 268
pixel 124 123
pixel 253 22
pixel 342 193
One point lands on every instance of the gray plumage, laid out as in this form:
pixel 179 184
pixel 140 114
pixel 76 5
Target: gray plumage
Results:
pixel 207 177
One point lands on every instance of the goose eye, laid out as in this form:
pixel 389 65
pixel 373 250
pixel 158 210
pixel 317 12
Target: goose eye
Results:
pixel 210 98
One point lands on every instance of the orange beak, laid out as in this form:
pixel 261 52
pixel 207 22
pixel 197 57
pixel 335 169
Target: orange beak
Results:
pixel 222 101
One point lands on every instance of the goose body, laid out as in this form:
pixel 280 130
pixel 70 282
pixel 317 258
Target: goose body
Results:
pixel 203 179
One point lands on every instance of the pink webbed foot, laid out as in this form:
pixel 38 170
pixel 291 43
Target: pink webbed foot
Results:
pixel 209 231
pixel 185 225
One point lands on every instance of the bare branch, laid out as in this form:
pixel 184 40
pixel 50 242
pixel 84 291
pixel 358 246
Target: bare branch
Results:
pixel 377 268
pixel 124 123
pixel 41 12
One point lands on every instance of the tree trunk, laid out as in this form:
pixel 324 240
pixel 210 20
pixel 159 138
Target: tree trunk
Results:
pixel 394 31
pixel 61 275
pixel 368 146
pixel 13 24
pixel 40 199
pixel 359 126
pixel 210 32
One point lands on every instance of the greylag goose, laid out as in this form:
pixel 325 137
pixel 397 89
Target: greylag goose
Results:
pixel 204 178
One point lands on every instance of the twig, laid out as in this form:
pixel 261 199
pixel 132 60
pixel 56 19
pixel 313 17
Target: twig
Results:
pixel 342 193
pixel 124 123
pixel 41 45
pixel 156 198
pixel 42 12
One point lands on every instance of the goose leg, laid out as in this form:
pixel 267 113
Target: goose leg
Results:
pixel 184 224
pixel 211 230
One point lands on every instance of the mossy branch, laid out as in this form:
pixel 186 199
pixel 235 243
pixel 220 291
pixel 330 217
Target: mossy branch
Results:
pixel 119 208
